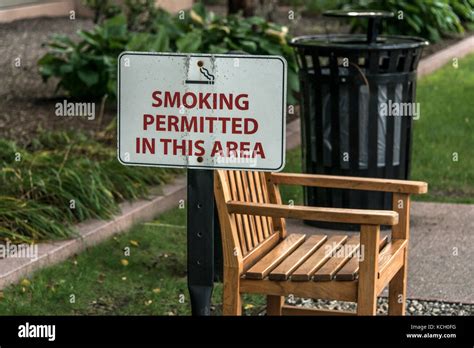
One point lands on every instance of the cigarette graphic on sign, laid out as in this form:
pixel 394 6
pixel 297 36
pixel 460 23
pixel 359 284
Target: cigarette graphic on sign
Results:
pixel 205 73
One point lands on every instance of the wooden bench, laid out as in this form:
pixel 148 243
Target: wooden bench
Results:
pixel 260 257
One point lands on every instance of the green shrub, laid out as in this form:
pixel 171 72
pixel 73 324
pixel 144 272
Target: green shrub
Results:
pixel 57 167
pixel 430 19
pixel 464 9
pixel 87 68
pixel 140 13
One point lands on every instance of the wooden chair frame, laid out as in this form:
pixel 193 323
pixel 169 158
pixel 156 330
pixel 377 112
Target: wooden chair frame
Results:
pixel 375 271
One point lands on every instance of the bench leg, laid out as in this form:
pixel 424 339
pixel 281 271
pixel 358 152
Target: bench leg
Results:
pixel 397 291
pixel 274 304
pixel 232 300
pixel 366 295
pixel 367 304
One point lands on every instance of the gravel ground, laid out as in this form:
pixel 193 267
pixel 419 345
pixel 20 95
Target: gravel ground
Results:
pixel 24 39
pixel 414 307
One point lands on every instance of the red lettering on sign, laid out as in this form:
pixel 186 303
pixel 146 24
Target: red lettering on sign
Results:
pixel 244 147
pixel 160 123
pixel 200 149
pixel 211 123
pixel 231 147
pixel 201 124
pixel 189 124
pixel 237 149
pixel 193 100
pixel 236 125
pixel 156 96
pixel 224 121
pixel 227 100
pixel 142 145
pixel 244 104
pixel 177 123
pixel 173 124
pixel 165 145
pixel 247 122
pixel 171 101
pixel 147 120
pixel 203 101
pixel 258 150
pixel 216 149
pixel 183 147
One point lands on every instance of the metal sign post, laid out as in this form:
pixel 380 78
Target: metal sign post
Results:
pixel 201 112
pixel 200 239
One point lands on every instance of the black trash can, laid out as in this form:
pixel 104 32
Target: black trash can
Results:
pixel 356 90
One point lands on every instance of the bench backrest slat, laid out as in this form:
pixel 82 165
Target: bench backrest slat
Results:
pixel 245 232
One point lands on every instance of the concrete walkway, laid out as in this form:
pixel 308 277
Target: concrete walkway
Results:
pixel 441 254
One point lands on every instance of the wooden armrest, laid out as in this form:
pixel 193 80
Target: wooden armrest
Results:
pixel 354 216
pixel 350 182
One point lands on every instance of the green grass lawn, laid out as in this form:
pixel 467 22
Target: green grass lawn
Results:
pixel 446 127
pixel 152 279
pixel 104 281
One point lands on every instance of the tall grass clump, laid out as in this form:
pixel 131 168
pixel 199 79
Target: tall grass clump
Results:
pixel 61 178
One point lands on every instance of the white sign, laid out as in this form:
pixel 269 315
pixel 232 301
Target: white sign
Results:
pixel 202 111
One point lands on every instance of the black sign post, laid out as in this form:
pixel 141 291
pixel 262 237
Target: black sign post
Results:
pixel 200 230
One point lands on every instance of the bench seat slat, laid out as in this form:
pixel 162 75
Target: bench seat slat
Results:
pixel 263 267
pixel 284 269
pixel 317 259
pixel 329 269
pixel 350 270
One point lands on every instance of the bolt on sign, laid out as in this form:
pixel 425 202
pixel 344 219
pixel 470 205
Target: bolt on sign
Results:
pixel 202 111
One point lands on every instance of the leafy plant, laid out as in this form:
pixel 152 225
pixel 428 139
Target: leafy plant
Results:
pixel 141 14
pixel 102 9
pixel 430 19
pixel 464 9
pixel 87 68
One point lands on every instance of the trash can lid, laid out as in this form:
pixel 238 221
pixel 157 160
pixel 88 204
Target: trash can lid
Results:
pixel 359 14
pixel 372 40
pixel 357 42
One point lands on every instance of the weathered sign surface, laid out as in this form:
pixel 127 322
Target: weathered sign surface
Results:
pixel 202 111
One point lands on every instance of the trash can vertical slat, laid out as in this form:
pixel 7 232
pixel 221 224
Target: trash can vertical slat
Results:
pixel 409 131
pixel 319 129
pixel 336 196
pixel 390 129
pixel 354 136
